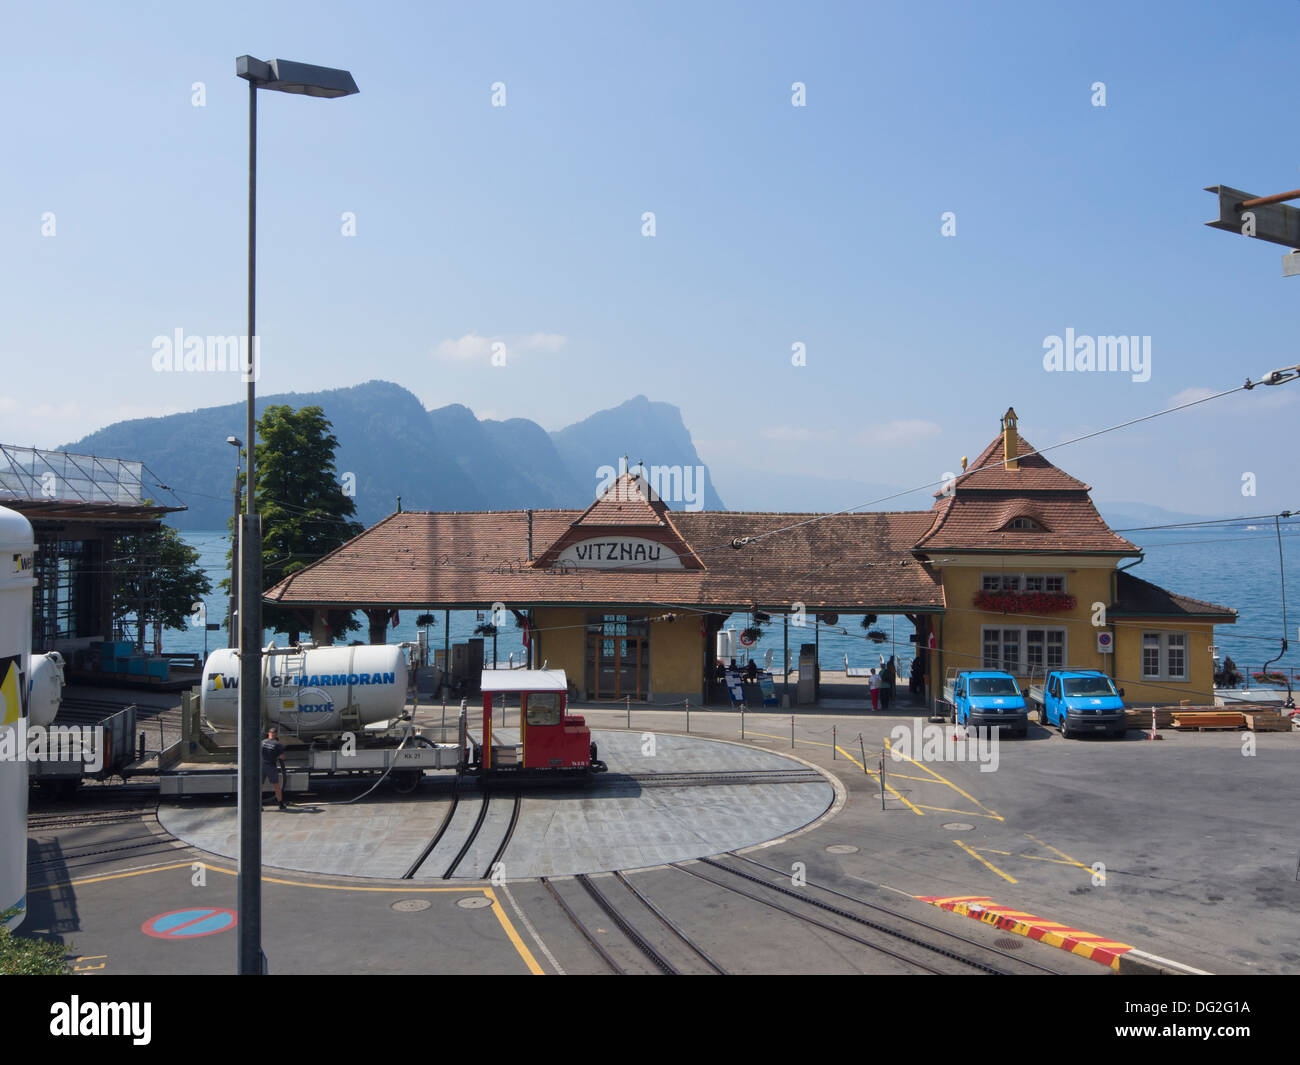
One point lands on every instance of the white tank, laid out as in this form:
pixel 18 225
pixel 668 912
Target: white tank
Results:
pixel 726 645
pixel 17 580
pixel 306 693
pixel 45 689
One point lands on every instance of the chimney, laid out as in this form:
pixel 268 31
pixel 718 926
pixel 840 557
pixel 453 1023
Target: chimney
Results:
pixel 530 535
pixel 1010 440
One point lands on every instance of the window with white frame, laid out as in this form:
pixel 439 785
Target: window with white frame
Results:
pixel 1164 656
pixel 1022 650
pixel 1027 582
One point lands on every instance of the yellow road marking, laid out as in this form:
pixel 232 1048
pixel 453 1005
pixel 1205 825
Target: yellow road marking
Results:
pixel 876 776
pixel 985 861
pixel 945 780
pixel 520 946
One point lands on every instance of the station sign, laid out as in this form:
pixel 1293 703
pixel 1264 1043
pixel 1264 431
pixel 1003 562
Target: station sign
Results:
pixel 619 552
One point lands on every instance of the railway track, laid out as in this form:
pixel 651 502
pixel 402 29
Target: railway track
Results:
pixel 98 836
pixel 438 847
pixel 927 945
pixel 637 946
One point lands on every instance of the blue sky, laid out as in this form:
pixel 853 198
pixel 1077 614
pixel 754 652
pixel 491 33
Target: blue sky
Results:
pixel 774 224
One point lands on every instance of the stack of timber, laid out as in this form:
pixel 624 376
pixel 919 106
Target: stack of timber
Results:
pixel 1267 721
pixel 1141 719
pixel 1207 717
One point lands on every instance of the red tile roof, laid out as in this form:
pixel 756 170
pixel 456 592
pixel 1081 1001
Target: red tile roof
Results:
pixel 868 562
pixel 1135 597
pixel 974 521
pixel 974 514
pixel 418 558
pixel 1035 474
pixel 628 501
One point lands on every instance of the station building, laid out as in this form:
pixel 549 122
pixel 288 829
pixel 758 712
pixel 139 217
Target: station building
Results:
pixel 1011 568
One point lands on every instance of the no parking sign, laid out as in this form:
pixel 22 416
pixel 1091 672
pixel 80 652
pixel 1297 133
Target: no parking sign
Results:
pixel 1105 643
pixel 189 924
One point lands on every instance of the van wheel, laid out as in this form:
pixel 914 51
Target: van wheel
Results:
pixel 1043 719
pixel 1065 726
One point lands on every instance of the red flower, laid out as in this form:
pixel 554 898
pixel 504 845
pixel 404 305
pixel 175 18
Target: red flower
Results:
pixel 1024 602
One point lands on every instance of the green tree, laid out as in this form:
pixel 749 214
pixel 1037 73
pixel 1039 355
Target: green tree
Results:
pixel 158 580
pixel 305 512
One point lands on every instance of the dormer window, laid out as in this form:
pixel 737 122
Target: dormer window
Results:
pixel 1024 524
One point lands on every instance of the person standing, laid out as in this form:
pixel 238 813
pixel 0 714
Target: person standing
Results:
pixel 887 683
pixel 273 763
pixel 874 682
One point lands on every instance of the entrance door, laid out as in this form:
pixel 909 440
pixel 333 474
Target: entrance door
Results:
pixel 618 657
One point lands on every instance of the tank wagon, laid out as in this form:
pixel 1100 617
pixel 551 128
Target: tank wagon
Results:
pixel 17 579
pixel 342 712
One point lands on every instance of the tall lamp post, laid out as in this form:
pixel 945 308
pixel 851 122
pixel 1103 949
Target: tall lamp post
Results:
pixel 302 79
pixel 236 443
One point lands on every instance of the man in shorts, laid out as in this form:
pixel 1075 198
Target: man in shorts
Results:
pixel 273 763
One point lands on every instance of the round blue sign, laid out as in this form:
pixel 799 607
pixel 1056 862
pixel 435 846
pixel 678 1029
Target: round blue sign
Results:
pixel 189 924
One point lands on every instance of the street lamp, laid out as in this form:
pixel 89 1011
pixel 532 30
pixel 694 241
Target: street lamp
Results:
pixel 236 443
pixel 302 79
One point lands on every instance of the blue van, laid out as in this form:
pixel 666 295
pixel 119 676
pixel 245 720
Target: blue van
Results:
pixel 987 697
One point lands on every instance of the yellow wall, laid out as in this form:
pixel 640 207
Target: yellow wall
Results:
pixel 1199 686
pixel 962 642
pixel 562 641
pixel 676 650
pixel 677 657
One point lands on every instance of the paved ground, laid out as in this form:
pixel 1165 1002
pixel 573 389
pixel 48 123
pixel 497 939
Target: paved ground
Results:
pixel 614 824
pixel 1184 848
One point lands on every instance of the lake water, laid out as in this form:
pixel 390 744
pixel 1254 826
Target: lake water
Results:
pixel 1232 568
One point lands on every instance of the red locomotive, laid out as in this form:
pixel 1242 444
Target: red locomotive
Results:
pixel 549 739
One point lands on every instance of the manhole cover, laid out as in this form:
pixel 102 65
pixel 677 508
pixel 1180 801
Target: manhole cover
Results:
pixel 841 848
pixel 411 905
pixel 957 826
pixel 474 902
pixel 1007 943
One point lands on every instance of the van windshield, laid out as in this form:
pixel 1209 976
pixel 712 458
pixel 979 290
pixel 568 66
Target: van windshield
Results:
pixel 993 686
pixel 1088 686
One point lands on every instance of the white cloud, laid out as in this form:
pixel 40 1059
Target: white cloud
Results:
pixel 795 432
pixel 899 433
pixel 473 346
pixel 470 346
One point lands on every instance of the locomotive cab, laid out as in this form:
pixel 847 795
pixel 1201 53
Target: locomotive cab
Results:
pixel 551 738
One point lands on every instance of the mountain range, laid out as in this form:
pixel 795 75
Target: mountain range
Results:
pixel 441 459
pixel 449 459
